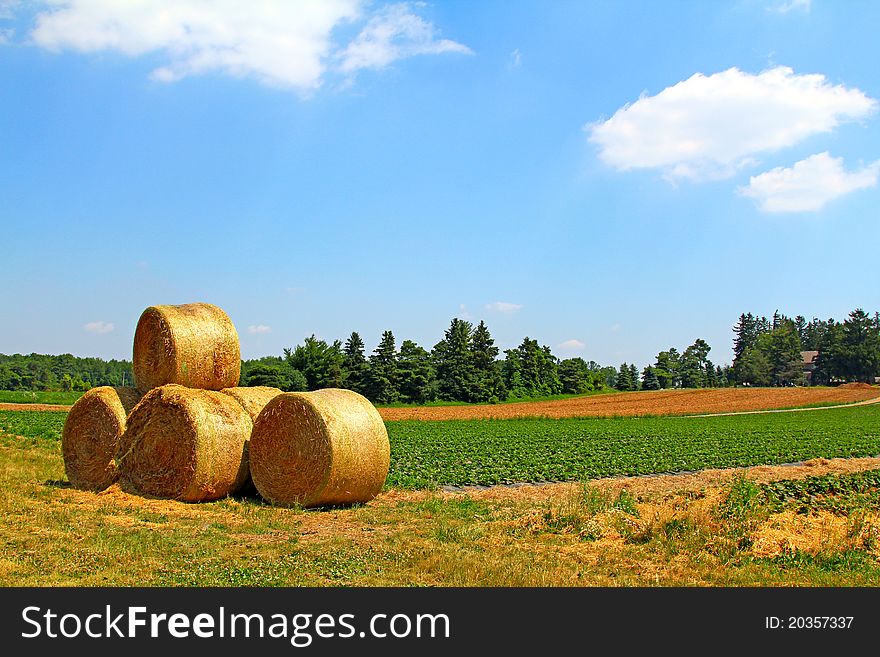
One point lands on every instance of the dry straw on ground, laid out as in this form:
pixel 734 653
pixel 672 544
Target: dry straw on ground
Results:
pixel 91 436
pixel 319 448
pixel 185 444
pixel 194 344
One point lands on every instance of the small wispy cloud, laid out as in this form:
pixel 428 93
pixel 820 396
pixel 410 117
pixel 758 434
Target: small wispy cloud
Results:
pixel 463 312
pixel 515 58
pixel 257 329
pixel 571 345
pixel 395 32
pixel 504 307
pixel 808 185
pixel 790 5
pixel 98 327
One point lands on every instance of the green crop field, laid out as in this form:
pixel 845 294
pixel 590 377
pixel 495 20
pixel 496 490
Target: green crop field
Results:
pixel 38 427
pixel 486 452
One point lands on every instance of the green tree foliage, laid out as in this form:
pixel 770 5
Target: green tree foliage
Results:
pixel 624 378
pixel 383 377
pixel 355 368
pixel 487 383
pixel 45 372
pixel 454 363
pixel 634 377
pixel 415 372
pixel 753 368
pixel 668 367
pixel 649 379
pixel 579 377
pixel 531 370
pixel 272 371
pixel 850 351
pixel 320 363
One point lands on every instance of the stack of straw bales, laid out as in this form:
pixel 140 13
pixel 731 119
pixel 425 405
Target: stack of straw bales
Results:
pixel 186 432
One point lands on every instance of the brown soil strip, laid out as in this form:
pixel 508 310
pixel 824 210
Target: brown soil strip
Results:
pixel 33 407
pixel 660 402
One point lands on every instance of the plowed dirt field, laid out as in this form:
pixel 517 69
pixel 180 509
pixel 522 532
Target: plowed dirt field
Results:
pixel 660 402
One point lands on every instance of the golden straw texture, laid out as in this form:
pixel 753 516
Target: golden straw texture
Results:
pixel 185 444
pixel 194 345
pixel 91 436
pixel 252 399
pixel 319 448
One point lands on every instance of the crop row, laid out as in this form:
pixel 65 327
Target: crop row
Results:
pixel 837 493
pixel 486 452
pixel 35 427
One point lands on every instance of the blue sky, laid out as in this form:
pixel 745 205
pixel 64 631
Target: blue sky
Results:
pixel 610 178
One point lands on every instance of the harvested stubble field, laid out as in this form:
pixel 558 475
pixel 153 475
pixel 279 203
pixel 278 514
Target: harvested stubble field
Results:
pixel 659 402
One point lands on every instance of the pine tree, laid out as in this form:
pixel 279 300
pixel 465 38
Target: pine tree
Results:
pixel 453 362
pixel 383 371
pixel 649 379
pixel 634 377
pixel 488 384
pixel 415 374
pixel 354 364
pixel 624 378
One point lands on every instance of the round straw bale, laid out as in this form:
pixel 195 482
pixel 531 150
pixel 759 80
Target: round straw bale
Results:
pixel 252 399
pixel 194 344
pixel 91 436
pixel 319 448
pixel 185 444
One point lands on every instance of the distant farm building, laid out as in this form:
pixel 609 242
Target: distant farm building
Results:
pixel 809 363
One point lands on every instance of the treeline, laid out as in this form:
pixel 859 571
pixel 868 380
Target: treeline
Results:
pixel 464 366
pixel 690 368
pixel 768 352
pixel 64 372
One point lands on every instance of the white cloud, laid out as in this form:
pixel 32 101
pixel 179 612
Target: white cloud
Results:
pixel 571 345
pixel 6 35
pixel 463 312
pixel 280 43
pixel 259 328
pixel 395 32
pixel 708 127
pixel 504 307
pixel 808 185
pixel 8 8
pixel 98 327
pixel 789 5
pixel 515 58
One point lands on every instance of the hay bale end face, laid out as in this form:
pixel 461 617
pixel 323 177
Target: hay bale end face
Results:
pixel 252 399
pixel 319 448
pixel 194 345
pixel 185 444
pixel 91 436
